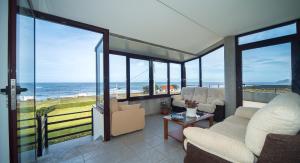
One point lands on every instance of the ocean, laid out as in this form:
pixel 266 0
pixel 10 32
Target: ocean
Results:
pixel 60 90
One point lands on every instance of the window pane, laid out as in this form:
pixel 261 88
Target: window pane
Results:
pixel 175 78
pixel 192 73
pixel 117 76
pixel 160 78
pixel 213 69
pixel 266 73
pixel 268 34
pixel 139 77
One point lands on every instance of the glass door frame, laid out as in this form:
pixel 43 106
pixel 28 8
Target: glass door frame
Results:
pixel 12 36
pixel 294 40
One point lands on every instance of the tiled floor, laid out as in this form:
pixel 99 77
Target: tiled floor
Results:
pixel 146 146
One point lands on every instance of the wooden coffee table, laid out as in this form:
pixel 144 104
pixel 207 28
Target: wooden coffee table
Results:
pixel 186 122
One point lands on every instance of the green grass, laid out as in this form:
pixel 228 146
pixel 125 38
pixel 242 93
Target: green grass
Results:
pixel 62 106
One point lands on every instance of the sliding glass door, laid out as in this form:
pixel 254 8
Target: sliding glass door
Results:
pixel 266 73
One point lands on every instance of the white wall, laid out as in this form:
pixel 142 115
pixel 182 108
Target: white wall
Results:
pixel 151 106
pixel 4 140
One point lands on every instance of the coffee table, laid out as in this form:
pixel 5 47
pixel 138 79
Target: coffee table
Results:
pixel 186 122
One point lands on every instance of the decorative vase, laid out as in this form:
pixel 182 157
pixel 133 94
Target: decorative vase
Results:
pixel 191 112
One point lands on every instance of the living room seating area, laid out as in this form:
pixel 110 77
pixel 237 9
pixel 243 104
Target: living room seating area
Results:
pixel 248 135
pixel 210 100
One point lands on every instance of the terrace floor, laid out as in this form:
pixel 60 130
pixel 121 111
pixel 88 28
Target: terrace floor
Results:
pixel 146 146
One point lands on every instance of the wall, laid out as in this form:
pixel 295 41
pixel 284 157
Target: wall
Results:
pixel 230 75
pixel 4 145
pixel 152 106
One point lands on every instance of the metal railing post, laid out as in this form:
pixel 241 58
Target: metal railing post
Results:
pixel 46 130
pixel 92 121
pixel 40 136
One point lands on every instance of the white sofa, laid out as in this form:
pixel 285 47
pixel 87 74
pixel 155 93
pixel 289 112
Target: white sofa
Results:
pixel 241 137
pixel 209 100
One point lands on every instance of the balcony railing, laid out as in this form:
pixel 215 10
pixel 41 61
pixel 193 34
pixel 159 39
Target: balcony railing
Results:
pixel 46 133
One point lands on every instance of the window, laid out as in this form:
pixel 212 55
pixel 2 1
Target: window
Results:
pixel 192 73
pixel 266 73
pixel 117 76
pixel 160 78
pixel 213 69
pixel 175 78
pixel 268 34
pixel 139 77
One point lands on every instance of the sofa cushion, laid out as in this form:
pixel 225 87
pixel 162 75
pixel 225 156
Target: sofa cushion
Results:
pixel 200 95
pixel 220 145
pixel 245 112
pixel 209 108
pixel 179 103
pixel 280 116
pixel 177 97
pixel 214 94
pixel 187 93
pixel 233 127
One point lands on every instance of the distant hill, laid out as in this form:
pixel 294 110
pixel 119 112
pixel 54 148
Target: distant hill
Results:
pixel 285 81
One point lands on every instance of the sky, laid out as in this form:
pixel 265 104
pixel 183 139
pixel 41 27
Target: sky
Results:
pixel 64 53
pixel 67 54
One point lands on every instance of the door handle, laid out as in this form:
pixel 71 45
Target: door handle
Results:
pixel 19 90
pixel 4 91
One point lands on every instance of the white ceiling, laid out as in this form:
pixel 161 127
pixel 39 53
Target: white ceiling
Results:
pixel 190 26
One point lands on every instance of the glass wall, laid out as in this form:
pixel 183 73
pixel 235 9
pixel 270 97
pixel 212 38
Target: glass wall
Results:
pixel 160 78
pixel 139 77
pixel 192 73
pixel 25 71
pixel 266 72
pixel 117 76
pixel 175 78
pixel 213 69
pixel 268 34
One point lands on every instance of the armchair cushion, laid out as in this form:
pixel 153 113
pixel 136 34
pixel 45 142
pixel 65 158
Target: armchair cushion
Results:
pixel 114 106
pixel 218 144
pixel 128 107
pixel 245 112
pixel 280 116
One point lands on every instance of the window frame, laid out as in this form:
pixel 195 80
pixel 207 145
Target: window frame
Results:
pixel 294 39
pixel 168 77
pixel 125 72
pixel 151 60
pixel 169 74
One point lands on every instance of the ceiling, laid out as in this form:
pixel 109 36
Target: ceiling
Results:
pixel 181 29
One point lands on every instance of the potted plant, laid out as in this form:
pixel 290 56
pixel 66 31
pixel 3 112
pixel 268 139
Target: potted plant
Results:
pixel 191 108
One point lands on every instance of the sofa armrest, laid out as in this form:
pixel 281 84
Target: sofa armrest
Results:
pixel 177 97
pixel 218 144
pixel 245 112
pixel 280 148
pixel 218 102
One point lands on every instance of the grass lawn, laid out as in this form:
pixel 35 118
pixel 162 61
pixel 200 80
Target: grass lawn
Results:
pixel 62 106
